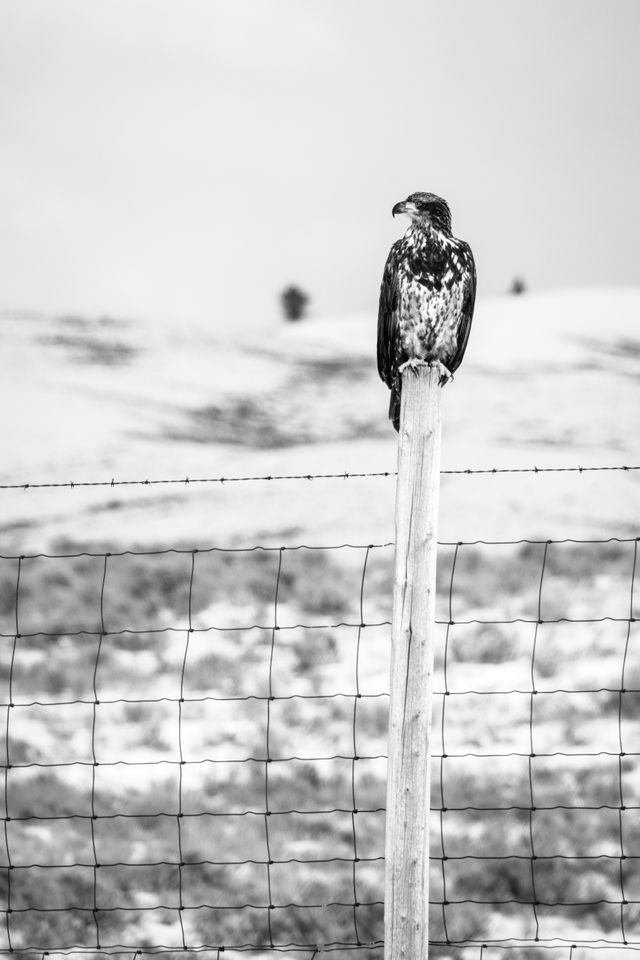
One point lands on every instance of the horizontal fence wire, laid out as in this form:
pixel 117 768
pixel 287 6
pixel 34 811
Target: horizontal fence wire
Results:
pixel 195 749
pixel 346 475
pixel 561 951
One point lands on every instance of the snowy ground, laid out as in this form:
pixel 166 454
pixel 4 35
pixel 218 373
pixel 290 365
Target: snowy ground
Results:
pixel 549 380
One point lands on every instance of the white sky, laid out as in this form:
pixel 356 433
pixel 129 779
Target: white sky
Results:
pixel 187 158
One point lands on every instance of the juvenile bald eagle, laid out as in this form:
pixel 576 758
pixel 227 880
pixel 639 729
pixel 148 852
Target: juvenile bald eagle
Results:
pixel 427 295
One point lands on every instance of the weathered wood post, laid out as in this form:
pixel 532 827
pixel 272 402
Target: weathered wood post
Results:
pixel 406 908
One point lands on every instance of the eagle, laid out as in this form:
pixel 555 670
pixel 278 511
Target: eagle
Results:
pixel 427 296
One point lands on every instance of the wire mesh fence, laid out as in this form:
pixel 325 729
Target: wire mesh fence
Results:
pixel 195 749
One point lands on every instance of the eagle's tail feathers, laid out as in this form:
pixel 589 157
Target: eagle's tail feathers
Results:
pixel 394 407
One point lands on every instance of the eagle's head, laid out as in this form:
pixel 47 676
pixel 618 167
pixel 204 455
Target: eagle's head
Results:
pixel 427 210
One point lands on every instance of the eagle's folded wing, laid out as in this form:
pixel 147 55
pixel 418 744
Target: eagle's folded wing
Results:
pixel 468 303
pixel 387 319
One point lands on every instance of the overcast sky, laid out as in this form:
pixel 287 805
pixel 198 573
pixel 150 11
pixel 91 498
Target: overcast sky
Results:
pixel 190 157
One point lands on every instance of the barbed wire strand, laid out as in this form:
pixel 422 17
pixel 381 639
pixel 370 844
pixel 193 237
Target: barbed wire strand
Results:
pixel 346 475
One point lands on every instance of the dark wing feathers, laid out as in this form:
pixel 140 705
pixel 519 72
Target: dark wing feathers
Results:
pixel 467 305
pixel 387 322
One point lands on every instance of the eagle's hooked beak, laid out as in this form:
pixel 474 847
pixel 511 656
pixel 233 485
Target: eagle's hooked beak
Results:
pixel 405 206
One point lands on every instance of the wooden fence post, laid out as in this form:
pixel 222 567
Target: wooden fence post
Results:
pixel 406 910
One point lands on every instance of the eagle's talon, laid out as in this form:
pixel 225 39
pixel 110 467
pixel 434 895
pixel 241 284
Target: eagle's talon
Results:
pixel 415 363
pixel 412 364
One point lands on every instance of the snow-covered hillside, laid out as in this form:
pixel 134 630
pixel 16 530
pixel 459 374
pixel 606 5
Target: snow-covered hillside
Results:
pixel 549 380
